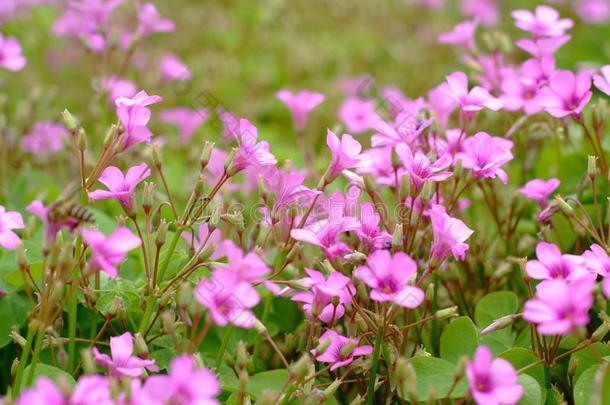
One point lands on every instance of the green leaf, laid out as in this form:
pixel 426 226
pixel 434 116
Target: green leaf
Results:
pixel 593 386
pixel 163 357
pixel 13 309
pixel 490 308
pixel 458 339
pixel 438 373
pixel 520 357
pixel 272 380
pixel 51 372
pixel 586 358
pixel 532 393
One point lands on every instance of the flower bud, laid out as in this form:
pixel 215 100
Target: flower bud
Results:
pixel 460 368
pixel 148 196
pixel 89 366
pixel 229 162
pixel 427 191
pixel 446 313
pixel 141 346
pixel 199 187
pixel 156 155
pixel 573 365
pixel 369 183
pixel 22 259
pixel 355 257
pixel 332 388
pixel 405 187
pixel 206 153
pixel 17 338
pixel 358 400
pixel 111 135
pixel 301 367
pixel 260 327
pixel 81 139
pixel 161 233
pixel 268 397
pixel 397 236
pixel 601 331
pixel 500 323
pixel 592 166
pixel 564 206
pixel 395 160
pixel 169 322
pixel 241 355
pixel 322 346
pixel 348 348
pixel 69 120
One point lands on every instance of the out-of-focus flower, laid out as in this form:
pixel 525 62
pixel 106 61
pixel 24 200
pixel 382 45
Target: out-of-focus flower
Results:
pixel 10 54
pixel 300 104
pixel 448 234
pixel 544 22
pixel 470 101
pixel 150 21
pixel 10 220
pixel 540 48
pixel 560 305
pixel 358 115
pixel 337 353
pixel 121 363
pixel 186 120
pixel 250 151
pixel 593 11
pixel 485 154
pixel 492 381
pixel 462 35
pixel 185 384
pixel 441 105
pixel 118 87
pixel 318 301
pixel 602 81
pixel 389 276
pixel 108 252
pixel 121 187
pixel 539 190
pixel 172 68
pixel 421 169
pixel 566 93
pixel 44 139
pixel 89 390
pixel 134 116
pixel 485 11
pixel 551 264
pixel 345 153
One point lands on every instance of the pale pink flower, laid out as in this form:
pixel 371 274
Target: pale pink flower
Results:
pixel 10 54
pixel 326 234
pixel 551 264
pixel 345 153
pixel 470 101
pixel 544 22
pixel 150 21
pixel 318 300
pixel 205 240
pixel 462 35
pixel 421 169
pixel 172 68
pixel 406 128
pixel 89 390
pixel 542 47
pixel 602 81
pixel 134 115
pixel 593 11
pixel 250 151
pixel 448 234
pixel 121 363
pixel 567 93
pixel 118 87
pixel 369 233
pixel 597 261
pixel 358 115
pixel 10 220
pixel 300 104
pixel 492 381
pixel 121 187
pixel 186 120
pixel 44 139
pixel 539 190
pixel 485 154
pixel 108 252
pixel 336 354
pixel 487 12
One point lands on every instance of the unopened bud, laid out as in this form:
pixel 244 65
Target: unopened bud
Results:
pixel 111 135
pixel 141 346
pixel 460 368
pixel 592 166
pixel 427 191
pixel 369 183
pixel 17 338
pixel 500 323
pixel 22 259
pixel 301 367
pixel 397 236
pixel 355 257
pixel 405 187
pixel 89 366
pixel 69 120
pixel 395 159
pixel 241 355
pixel 81 139
pixel 601 331
pixel 357 401
pixel 573 365
pixel 169 322
pixel 229 162
pixel 156 155
pixel 323 345
pixel 446 313
pixel 206 153
pixel 148 196
pixel 332 388
pixel 564 206
pixel 199 187
pixel 348 348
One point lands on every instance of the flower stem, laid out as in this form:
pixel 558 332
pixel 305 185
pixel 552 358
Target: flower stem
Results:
pixel 23 360
pixel 225 343
pixel 370 397
pixel 35 356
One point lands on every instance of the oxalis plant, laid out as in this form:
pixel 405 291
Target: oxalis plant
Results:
pixel 445 249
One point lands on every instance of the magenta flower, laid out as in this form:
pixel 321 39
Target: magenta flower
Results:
pixel 108 252
pixel 185 384
pixel 121 187
pixel 544 22
pixel 121 363
pixel 484 154
pixel 250 152
pixel 492 381
pixel 378 161
pixel 135 116
pixel 345 153
pixel 539 190
pixel 337 353
pixel 369 233
pixel 602 81
pixel 173 69
pixel 593 11
pixel 37 208
pixel 118 87
pixel 485 11
pixel 540 48
pixel 44 139
pixel 551 264
pixel 560 305
pixel 471 101
pixel 10 220
pixel 89 390
pixel 566 94
pixel 448 235
pixel 10 54
pixel 300 104
pixel 389 276
pixel 150 21
pixel 358 115
pixel 318 301
pixel 420 168
pixel 597 261
pixel 406 128
pixel 228 298
pixel 205 240
pixel 326 234
pixel 288 189
pixel 462 35
pixel 186 120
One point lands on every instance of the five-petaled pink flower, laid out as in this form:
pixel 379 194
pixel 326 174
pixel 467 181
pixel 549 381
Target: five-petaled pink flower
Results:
pixel 44 139
pixel 121 187
pixel 492 381
pixel 485 154
pixel 597 261
pixel 566 93
pixel 318 301
pixel 10 220
pixel 326 234
pixel 117 87
pixel 602 81
pixel 345 153
pixel 389 278
pixel 448 234
pixel 341 350
pixel 121 363
pixel 10 54
pixel 544 22
pixel 250 152
pixel 551 264
pixel 539 190
pixel 358 115
pixel 300 104
pixel 134 115
pixel 470 101
pixel 89 390
pixel 186 120
pixel 108 252
pixel 462 35
pixel 560 306
pixel 421 169
pixel 150 21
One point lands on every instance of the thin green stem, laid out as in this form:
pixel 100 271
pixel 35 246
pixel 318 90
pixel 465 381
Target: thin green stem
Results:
pixel 370 396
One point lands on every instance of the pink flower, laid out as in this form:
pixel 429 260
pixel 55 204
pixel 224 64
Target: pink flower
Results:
pixel 150 21
pixel 37 208
pixel 10 54
pixel 122 363
pixel 406 128
pixel 288 189
pixel 337 352
pixel 484 154
pixel 10 220
pixel 420 168
pixel 540 48
pixel 300 104
pixel 319 299
pixel 551 264
pixel 173 69
pixel 186 120
pixel 539 190
pixel 389 278
pixel 205 240
pixel 44 139
pixel 471 101
pixel 560 306
pixel 121 187
pixel 250 152
pixel 544 22
pixel 108 252
pixel 89 390
pixel 462 35
pixel 345 153
pixel 118 88
pixel 358 115
pixel 485 11
pixel 597 261
pixel 325 234
pixel 378 161
pixel 492 381
pixel 369 233
pixel 228 298
pixel 185 384
pixel 602 81
pixel 566 94
pixel 135 116
pixel 593 11
pixel 448 235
